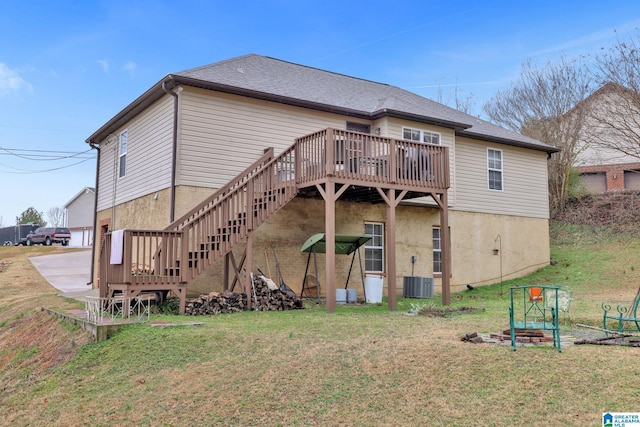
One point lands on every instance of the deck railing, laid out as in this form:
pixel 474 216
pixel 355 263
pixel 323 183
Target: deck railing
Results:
pixel 370 159
pixel 148 257
pixel 209 231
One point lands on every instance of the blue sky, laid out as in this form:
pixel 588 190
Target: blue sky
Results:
pixel 67 67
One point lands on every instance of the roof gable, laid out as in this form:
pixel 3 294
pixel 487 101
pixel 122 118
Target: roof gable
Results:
pixel 85 190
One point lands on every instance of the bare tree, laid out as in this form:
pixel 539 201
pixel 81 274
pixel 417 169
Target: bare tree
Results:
pixel 546 104
pixel 616 116
pixel 56 216
pixel 456 98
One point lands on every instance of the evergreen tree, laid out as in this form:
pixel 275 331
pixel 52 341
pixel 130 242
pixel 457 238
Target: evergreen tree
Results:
pixel 31 215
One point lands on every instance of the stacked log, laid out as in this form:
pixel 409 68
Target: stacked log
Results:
pixel 264 298
pixel 216 303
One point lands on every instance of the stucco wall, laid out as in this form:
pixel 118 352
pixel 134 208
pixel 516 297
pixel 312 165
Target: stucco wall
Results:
pixel 289 229
pixel 524 242
pixel 523 245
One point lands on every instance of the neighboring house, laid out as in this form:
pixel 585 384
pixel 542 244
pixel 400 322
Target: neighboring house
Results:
pixel 236 160
pixel 79 216
pixel 604 168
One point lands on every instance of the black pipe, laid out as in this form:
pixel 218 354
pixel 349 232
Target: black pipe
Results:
pixel 95 211
pixel 172 207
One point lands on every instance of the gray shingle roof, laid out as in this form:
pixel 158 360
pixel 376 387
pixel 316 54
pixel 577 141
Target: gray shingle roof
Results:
pixel 273 78
pixel 281 81
pixel 292 81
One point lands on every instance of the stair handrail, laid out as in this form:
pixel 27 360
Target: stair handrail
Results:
pixel 264 178
pixel 228 190
pixel 222 191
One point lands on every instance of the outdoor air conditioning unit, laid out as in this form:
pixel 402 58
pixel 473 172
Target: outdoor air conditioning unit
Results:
pixel 417 287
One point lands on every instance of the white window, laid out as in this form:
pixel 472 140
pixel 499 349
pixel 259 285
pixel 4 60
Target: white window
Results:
pixel 419 135
pixel 437 250
pixel 359 127
pixel 494 169
pixel 374 248
pixel 123 154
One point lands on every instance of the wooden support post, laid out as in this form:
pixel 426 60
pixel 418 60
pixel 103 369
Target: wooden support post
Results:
pixel 393 161
pixel 445 245
pixel 330 236
pixel 181 292
pixel 249 266
pixel 330 147
pixel 251 205
pixel 391 249
pixel 445 242
pixel 392 202
pixel 225 277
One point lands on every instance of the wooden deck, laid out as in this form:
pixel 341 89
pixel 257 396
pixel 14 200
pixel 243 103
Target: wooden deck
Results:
pixel 331 164
pixel 368 161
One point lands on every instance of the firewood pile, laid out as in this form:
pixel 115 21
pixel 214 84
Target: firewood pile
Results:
pixel 216 303
pixel 265 296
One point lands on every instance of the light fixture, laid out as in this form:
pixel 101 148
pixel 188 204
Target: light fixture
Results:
pixel 497 249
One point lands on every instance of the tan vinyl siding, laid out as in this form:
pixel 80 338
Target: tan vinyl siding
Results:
pixel 524 180
pixel 106 173
pixel 447 138
pixel 221 134
pixel 148 163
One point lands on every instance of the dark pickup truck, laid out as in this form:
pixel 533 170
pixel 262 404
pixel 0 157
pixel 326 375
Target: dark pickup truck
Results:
pixel 49 235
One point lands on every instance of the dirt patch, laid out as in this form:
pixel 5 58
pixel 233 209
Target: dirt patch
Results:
pixel 35 344
pixel 618 210
pixel 433 311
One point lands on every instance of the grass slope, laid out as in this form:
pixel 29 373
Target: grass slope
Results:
pixel 360 366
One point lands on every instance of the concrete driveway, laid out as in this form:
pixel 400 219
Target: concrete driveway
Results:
pixel 67 272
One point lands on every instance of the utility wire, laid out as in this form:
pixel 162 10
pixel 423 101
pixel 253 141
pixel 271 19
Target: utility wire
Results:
pixel 45 157
pixel 48 154
pixel 26 172
pixel 43 151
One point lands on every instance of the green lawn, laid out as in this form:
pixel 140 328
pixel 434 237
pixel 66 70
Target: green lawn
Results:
pixel 359 366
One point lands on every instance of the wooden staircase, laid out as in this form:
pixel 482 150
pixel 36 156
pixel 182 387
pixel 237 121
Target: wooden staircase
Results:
pixel 363 168
pixel 169 259
pixel 214 227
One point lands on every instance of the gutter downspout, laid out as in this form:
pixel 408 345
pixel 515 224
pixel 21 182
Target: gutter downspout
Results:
pixel 96 147
pixel 172 202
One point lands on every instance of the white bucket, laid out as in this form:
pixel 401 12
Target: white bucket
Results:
pixel 341 296
pixel 352 295
pixel 373 287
